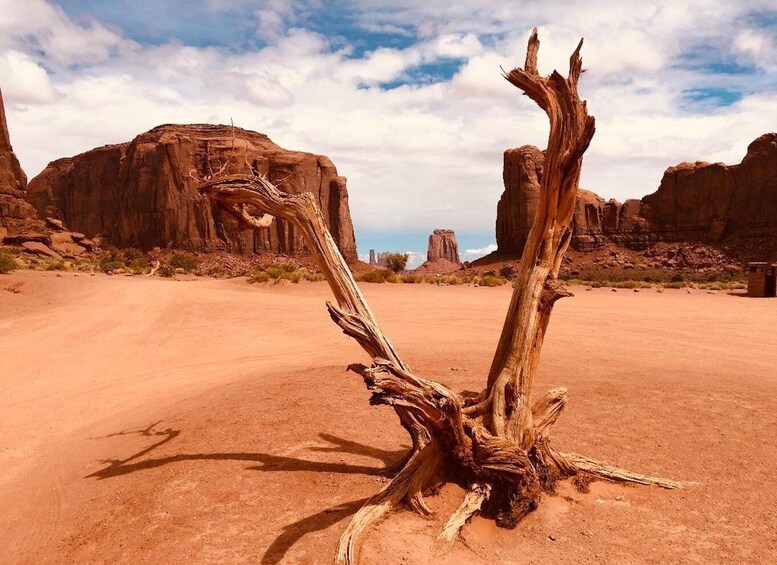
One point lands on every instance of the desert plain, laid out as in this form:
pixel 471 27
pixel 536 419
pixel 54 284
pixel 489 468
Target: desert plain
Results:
pixel 149 420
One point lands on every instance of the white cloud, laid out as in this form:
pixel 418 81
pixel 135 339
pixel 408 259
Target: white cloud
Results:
pixel 24 80
pixel 421 155
pixel 479 252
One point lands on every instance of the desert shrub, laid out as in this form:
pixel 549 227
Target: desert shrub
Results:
pixel 130 259
pixel 491 280
pixel 507 271
pixel 259 277
pixel 276 273
pixel 57 266
pixel 677 278
pixel 411 279
pixel 378 276
pixel 183 261
pixel 293 276
pixel 312 276
pixel 165 271
pixel 7 262
pixel 397 261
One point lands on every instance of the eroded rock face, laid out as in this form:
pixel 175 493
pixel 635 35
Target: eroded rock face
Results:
pixel 515 212
pixel 143 193
pixel 16 214
pixel 713 201
pixel 443 245
pixel 694 202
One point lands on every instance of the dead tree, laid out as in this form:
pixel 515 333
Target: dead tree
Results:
pixel 495 443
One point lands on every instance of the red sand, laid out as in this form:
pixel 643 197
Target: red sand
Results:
pixel 158 421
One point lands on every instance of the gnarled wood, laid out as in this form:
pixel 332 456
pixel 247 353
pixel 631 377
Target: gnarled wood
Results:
pixel 496 441
pixel 473 501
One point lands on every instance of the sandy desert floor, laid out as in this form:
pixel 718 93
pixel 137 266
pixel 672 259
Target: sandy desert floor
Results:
pixel 160 421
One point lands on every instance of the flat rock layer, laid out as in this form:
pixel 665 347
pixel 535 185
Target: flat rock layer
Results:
pixel 695 202
pixel 143 193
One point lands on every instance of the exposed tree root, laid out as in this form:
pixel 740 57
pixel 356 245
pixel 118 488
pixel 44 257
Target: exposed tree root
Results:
pixel 379 504
pixel 473 501
pixel 610 473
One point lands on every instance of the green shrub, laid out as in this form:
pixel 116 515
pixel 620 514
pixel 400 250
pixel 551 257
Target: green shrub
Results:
pixel 7 262
pixel 507 271
pixel 165 271
pixel 57 266
pixel 397 261
pixel 183 261
pixel 411 279
pixel 677 278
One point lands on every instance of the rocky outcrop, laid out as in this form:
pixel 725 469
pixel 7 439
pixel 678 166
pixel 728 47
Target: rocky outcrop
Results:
pixel 696 202
pixel 515 212
pixel 16 214
pixel 143 193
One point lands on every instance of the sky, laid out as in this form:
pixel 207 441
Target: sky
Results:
pixel 406 97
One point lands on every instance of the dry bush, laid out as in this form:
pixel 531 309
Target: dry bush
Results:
pixel 378 276
pixel 7 262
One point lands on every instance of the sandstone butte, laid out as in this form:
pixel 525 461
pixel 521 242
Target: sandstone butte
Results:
pixel 143 193
pixel 706 202
pixel 442 254
pixel 16 214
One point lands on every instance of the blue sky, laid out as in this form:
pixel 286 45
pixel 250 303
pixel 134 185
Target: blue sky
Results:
pixel 404 96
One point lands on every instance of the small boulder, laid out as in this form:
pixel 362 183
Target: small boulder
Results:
pixel 55 224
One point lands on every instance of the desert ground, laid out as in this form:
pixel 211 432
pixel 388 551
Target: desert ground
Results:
pixel 213 421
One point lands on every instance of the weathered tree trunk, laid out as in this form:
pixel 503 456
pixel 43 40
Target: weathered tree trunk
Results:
pixel 497 442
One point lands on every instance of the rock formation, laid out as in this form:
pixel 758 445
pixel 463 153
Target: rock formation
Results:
pixel 515 212
pixel 16 214
pixel 442 254
pixel 443 245
pixel 696 202
pixel 143 193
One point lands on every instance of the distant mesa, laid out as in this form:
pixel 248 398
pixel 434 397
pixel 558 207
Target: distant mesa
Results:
pixel 379 259
pixel 695 202
pixel 143 193
pixel 442 254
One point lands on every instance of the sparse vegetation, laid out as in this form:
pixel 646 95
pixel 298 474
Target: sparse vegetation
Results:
pixel 7 262
pixel 129 259
pixel 286 271
pixel 183 261
pixel 378 276
pixel 491 280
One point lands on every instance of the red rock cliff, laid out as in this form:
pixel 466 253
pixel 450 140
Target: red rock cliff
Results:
pixel 141 194
pixel 694 202
pixel 16 214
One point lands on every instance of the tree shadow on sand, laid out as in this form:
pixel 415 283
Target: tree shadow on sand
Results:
pixel 292 533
